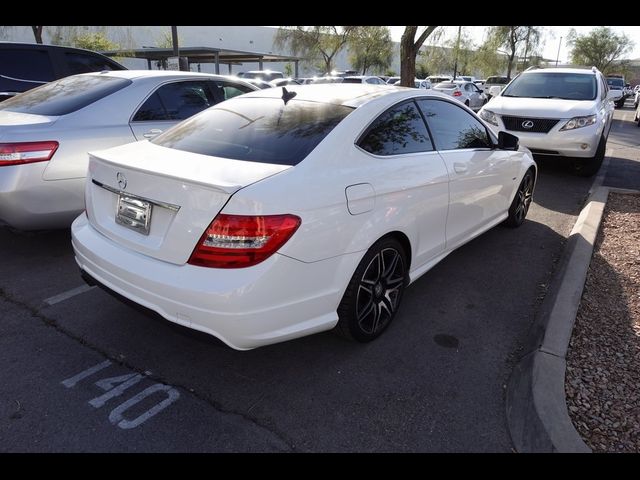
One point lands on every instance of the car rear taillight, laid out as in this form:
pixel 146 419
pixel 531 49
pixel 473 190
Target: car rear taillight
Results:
pixel 238 241
pixel 26 152
pixel 457 93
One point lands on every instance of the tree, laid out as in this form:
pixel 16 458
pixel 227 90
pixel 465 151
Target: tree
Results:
pixel 409 48
pixel 488 61
pixel 97 42
pixel 288 70
pixel 37 33
pixel 319 43
pixel 371 47
pixel 509 37
pixel 601 47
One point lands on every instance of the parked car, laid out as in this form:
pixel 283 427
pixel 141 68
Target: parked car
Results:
pixel 326 79
pixel 423 84
pixel 435 79
pixel 636 99
pixel 281 82
pixel 283 213
pixel 24 66
pixel 636 116
pixel 616 83
pixel 373 80
pixel 393 80
pixel 492 82
pixel 465 92
pixel 258 82
pixel 562 112
pixel 266 75
pixel 45 133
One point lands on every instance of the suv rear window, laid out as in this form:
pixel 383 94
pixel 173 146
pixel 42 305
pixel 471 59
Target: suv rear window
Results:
pixel 497 80
pixel 64 96
pixel 22 69
pixel 615 82
pixel 261 130
pixel 567 86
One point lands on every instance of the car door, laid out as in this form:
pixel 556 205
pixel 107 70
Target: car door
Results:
pixel 480 176
pixel 408 177
pixel 169 104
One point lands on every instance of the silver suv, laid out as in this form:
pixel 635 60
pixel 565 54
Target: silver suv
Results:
pixel 562 112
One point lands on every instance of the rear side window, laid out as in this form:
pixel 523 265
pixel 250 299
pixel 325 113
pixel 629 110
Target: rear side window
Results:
pixel 400 130
pixel 22 69
pixel 229 89
pixel 85 63
pixel 65 96
pixel 452 127
pixel 176 101
pixel 261 130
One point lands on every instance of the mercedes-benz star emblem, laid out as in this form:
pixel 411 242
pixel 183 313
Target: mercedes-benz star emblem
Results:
pixel 122 181
pixel 527 124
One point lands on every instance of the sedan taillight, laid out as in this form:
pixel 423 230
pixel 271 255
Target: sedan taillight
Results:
pixel 26 152
pixel 457 93
pixel 238 241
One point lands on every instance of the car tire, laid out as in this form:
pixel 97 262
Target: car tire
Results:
pixel 587 167
pixel 374 293
pixel 521 201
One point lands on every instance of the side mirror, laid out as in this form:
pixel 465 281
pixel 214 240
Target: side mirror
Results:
pixel 506 141
pixel 614 95
pixel 495 90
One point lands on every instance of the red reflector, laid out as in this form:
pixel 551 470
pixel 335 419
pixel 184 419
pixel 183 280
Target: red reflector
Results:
pixel 238 241
pixel 26 152
pixel 457 93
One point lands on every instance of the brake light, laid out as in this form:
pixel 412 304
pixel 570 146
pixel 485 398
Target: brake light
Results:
pixel 238 241
pixel 457 93
pixel 26 152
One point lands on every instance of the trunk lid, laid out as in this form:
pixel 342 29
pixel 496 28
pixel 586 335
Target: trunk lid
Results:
pixel 158 201
pixel 16 122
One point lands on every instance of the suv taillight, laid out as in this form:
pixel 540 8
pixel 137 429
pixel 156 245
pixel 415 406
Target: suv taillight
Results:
pixel 457 93
pixel 238 241
pixel 26 152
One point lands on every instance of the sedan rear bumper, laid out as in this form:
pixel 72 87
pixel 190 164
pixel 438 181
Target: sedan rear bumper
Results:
pixel 276 300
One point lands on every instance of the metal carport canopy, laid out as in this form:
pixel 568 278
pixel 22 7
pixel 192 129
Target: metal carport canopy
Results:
pixel 205 55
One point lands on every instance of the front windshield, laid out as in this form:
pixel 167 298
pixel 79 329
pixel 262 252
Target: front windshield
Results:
pixel 567 86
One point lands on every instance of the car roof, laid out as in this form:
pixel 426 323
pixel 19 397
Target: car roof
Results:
pixel 132 74
pixel 347 94
pixel 560 70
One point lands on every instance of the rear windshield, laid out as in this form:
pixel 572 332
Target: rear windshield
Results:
pixel 446 85
pixel 568 86
pixel 261 130
pixel 64 96
pixel 497 80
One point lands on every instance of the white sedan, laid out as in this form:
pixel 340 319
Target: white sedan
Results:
pixel 45 133
pixel 290 211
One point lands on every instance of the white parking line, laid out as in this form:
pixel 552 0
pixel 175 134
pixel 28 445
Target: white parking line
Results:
pixel 68 294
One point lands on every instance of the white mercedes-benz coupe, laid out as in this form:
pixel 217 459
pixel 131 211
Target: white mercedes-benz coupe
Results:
pixel 289 211
pixel 45 133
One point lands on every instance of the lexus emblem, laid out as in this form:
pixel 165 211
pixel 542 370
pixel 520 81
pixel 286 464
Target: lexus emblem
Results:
pixel 525 124
pixel 122 181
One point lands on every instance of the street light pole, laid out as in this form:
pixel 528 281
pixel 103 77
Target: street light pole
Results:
pixel 558 56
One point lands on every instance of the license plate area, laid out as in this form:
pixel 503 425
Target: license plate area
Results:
pixel 134 213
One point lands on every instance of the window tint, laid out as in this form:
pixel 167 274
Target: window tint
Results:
pixel 229 89
pixel 257 129
pixel 26 69
pixel 65 95
pixel 84 63
pixel 176 101
pixel 452 127
pixel 398 131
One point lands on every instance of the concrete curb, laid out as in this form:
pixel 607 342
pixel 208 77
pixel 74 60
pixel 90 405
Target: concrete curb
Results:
pixel 537 414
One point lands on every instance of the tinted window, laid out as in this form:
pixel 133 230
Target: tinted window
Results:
pixel 22 69
pixel 256 129
pixel 615 82
pixel 352 80
pixel 152 109
pixel 452 127
pixel 65 96
pixel 398 131
pixel 568 86
pixel 179 100
pixel 229 90
pixel 84 63
pixel 497 80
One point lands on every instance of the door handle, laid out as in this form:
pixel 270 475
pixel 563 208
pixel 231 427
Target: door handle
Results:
pixel 460 167
pixel 152 133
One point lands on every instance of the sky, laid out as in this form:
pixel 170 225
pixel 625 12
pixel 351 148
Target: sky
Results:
pixel 554 36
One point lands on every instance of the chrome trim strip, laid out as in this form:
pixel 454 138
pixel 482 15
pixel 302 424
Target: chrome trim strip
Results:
pixel 166 205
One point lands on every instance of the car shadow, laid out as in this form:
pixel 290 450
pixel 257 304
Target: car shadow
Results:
pixel 558 188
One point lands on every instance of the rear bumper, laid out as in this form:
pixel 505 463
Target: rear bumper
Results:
pixel 27 202
pixel 276 300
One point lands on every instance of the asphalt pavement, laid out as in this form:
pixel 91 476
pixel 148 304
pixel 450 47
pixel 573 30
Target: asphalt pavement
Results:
pixel 84 372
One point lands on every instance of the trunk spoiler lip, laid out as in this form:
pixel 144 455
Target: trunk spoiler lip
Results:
pixel 169 206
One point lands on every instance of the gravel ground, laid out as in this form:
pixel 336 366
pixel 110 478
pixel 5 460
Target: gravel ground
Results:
pixel 603 363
